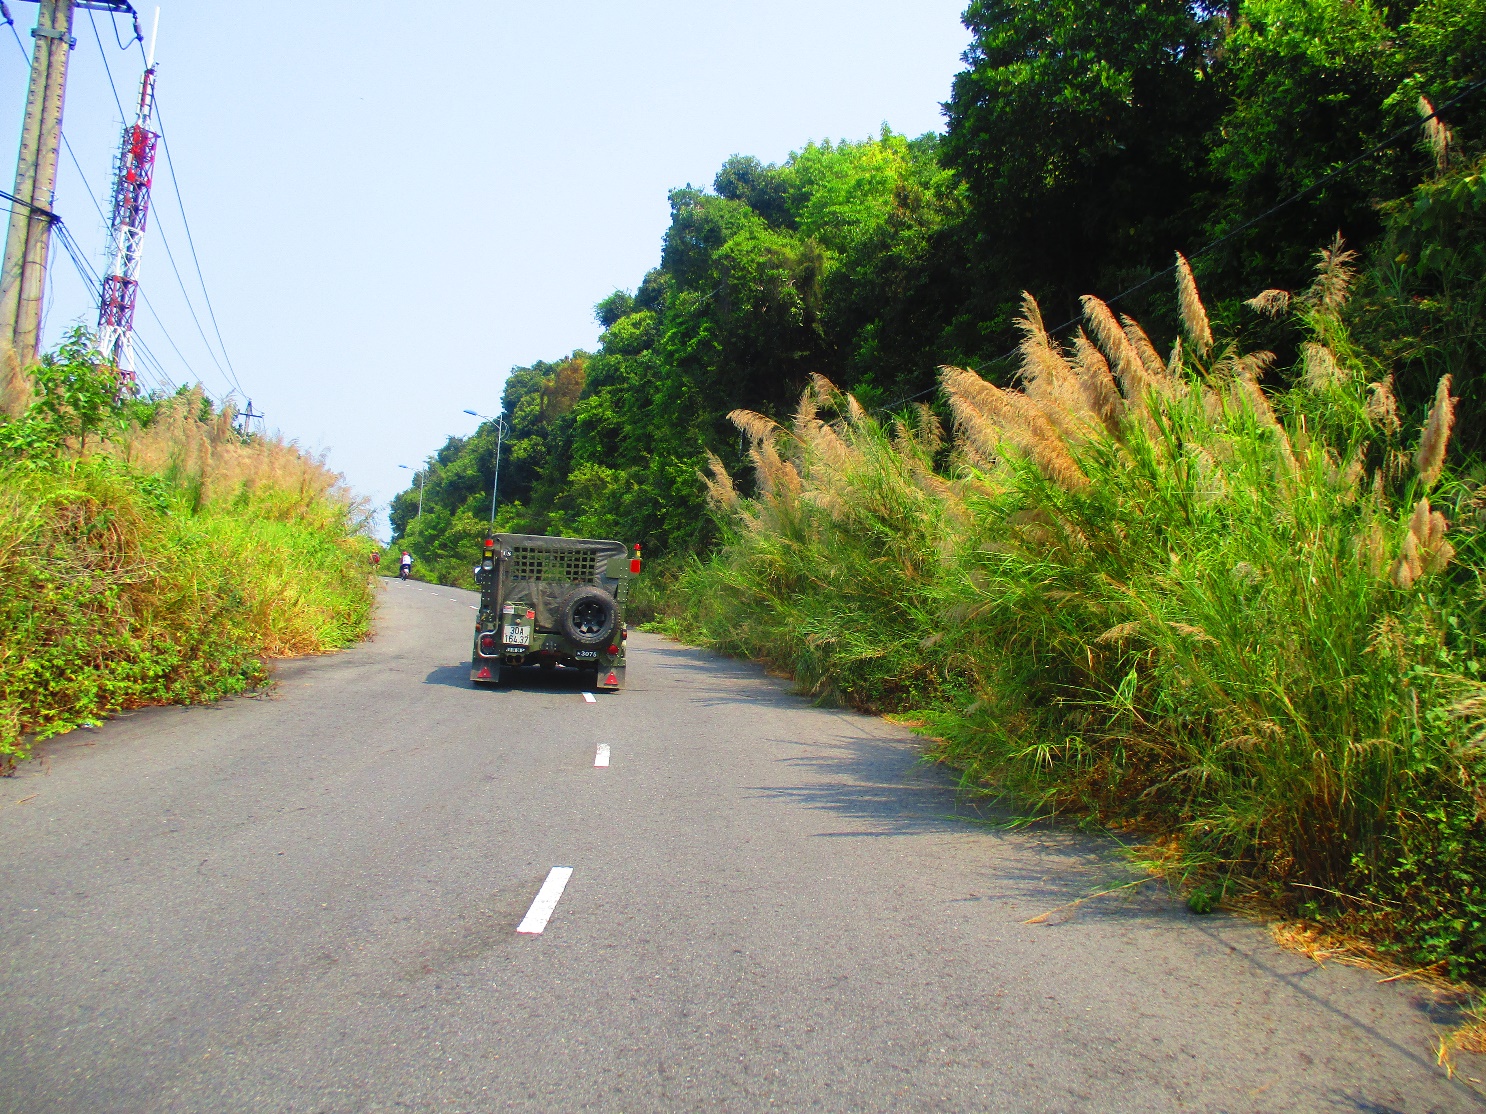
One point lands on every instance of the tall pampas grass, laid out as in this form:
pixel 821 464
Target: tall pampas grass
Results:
pixel 1151 592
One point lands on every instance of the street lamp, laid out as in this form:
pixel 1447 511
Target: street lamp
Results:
pixel 500 433
pixel 420 476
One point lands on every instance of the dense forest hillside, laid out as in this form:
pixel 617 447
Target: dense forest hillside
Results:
pixel 1084 144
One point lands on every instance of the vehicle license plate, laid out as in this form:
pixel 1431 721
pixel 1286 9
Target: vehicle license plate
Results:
pixel 518 635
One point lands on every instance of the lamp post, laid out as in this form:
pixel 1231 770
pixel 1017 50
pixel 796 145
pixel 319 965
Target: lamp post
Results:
pixel 420 476
pixel 500 433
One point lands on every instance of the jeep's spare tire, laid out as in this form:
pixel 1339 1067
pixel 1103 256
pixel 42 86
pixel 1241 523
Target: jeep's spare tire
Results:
pixel 587 617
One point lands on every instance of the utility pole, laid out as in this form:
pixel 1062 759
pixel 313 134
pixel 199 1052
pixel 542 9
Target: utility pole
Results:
pixel 249 416
pixel 28 237
pixel 23 273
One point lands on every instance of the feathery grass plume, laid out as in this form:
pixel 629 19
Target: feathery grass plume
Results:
pixel 1194 316
pixel 1250 366
pixel 1427 527
pixel 805 412
pixel 1175 360
pixel 1420 525
pixel 980 438
pixel 1408 568
pixel 1011 414
pixel 1382 407
pixel 754 426
pixel 1043 368
pixel 1193 632
pixel 1050 381
pixel 854 412
pixel 1430 459
pixel 1098 384
pixel 1150 360
pixel 1372 549
pixel 1436 134
pixel 1349 481
pixel 1118 633
pixel 15 388
pixel 827 444
pixel 1271 302
pixel 720 487
pixel 826 392
pixel 777 477
pixel 929 431
pixel 1116 347
pixel 1321 370
pixel 1334 276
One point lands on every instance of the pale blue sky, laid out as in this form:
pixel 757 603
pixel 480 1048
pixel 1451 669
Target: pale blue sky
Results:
pixel 395 205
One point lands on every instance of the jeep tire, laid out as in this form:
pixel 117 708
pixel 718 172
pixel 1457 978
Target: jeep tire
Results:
pixel 588 617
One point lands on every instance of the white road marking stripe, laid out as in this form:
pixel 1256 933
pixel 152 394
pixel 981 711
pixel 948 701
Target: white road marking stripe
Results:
pixel 545 901
pixel 474 608
pixel 602 757
pixel 588 696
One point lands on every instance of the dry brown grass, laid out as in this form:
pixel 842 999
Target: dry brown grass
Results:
pixel 186 441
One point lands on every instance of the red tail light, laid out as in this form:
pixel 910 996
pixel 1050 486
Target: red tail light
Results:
pixel 613 649
pixel 488 644
pixel 634 562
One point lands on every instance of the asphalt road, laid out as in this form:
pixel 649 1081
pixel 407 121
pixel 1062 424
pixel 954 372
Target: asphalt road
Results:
pixel 308 902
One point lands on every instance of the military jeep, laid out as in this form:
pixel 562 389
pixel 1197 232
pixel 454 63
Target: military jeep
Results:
pixel 552 602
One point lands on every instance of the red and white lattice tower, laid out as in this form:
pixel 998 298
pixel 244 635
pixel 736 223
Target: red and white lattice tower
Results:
pixel 131 210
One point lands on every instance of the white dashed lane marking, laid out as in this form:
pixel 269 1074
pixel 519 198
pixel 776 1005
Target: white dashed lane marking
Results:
pixel 546 901
pixel 601 758
pixel 588 696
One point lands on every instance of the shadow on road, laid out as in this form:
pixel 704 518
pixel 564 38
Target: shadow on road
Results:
pixel 527 679
pixel 451 676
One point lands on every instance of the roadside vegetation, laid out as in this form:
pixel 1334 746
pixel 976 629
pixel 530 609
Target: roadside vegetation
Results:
pixel 1214 577
pixel 1146 593
pixel 150 553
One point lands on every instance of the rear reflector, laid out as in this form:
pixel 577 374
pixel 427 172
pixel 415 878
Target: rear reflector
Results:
pixel 611 679
pixel 613 649
pixel 485 673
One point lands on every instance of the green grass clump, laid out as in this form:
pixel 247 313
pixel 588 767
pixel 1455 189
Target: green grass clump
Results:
pixel 154 555
pixel 1144 592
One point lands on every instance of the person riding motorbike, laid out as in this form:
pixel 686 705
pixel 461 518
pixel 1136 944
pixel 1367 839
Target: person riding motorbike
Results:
pixel 407 564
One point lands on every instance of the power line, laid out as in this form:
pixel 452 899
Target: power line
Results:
pixel 191 241
pixel 169 340
pixel 106 67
